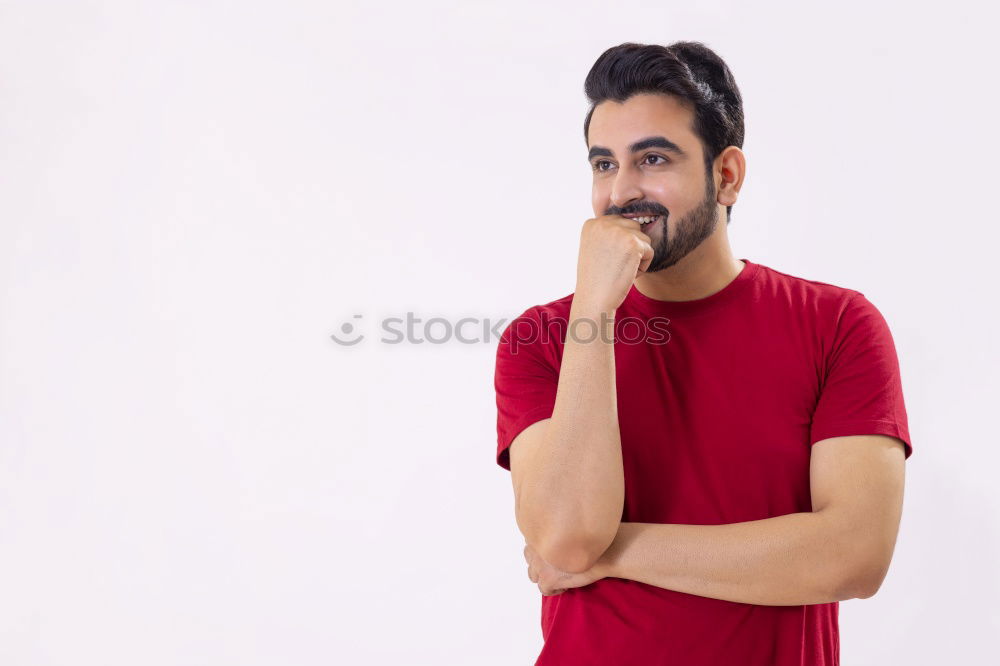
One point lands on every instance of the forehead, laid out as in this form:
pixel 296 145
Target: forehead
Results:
pixel 617 124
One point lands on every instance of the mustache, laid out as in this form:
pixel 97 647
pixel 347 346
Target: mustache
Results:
pixel 638 210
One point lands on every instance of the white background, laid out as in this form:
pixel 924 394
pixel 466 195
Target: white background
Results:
pixel 195 195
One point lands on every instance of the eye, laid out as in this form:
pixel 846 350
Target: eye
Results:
pixel 596 166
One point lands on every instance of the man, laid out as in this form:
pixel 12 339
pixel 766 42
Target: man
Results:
pixel 707 454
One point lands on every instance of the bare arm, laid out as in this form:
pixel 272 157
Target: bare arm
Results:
pixel 840 550
pixel 569 483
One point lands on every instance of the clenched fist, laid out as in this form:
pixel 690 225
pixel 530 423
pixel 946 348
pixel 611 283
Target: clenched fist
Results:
pixel 613 251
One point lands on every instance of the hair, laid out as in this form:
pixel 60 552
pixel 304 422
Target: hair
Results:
pixel 689 71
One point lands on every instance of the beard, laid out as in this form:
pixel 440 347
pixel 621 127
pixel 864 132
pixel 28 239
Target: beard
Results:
pixel 689 231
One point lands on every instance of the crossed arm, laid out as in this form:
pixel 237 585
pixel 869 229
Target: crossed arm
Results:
pixel 840 550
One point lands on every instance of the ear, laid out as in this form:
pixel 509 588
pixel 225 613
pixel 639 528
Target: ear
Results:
pixel 730 168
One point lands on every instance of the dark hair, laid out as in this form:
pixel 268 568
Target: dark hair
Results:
pixel 689 71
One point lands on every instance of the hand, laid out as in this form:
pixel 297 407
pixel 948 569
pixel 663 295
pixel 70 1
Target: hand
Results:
pixel 613 251
pixel 552 581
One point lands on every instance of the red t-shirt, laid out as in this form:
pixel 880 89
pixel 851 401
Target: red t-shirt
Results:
pixel 719 402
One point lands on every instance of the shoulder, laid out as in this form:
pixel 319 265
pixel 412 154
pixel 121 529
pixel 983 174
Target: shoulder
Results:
pixel 538 332
pixel 842 321
pixel 557 308
pixel 544 315
pixel 825 301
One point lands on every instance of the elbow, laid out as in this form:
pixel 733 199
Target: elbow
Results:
pixel 575 554
pixel 870 584
pixel 862 581
pixel 570 561
pixel 861 561
pixel 571 551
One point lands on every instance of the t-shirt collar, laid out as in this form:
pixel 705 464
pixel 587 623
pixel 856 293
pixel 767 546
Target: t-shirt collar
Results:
pixel 737 286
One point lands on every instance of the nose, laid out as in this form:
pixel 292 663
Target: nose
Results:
pixel 625 188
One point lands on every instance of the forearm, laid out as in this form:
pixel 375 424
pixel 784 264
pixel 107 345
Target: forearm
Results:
pixel 578 474
pixel 789 560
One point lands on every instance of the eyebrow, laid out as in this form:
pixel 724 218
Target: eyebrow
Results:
pixel 642 144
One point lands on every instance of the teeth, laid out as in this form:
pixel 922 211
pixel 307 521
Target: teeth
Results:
pixel 645 220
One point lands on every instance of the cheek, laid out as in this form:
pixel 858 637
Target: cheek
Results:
pixel 598 200
pixel 673 188
pixel 669 195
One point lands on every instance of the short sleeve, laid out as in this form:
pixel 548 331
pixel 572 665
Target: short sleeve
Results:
pixel 526 380
pixel 861 392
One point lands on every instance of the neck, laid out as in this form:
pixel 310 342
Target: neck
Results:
pixel 702 272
